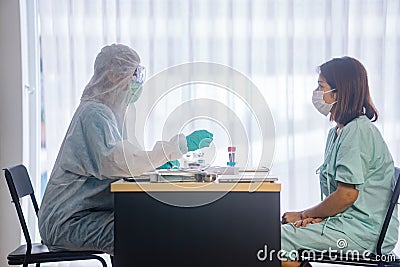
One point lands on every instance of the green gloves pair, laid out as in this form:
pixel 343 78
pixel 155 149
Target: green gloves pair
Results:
pixel 196 140
pixel 173 164
pixel 199 139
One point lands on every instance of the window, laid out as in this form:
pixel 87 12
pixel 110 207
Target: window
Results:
pixel 277 44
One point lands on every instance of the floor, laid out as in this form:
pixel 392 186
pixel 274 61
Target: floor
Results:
pixel 87 263
pixel 97 264
pixel 93 263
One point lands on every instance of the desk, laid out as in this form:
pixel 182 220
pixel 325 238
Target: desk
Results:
pixel 230 231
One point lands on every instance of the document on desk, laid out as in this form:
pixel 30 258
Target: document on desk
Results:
pixel 138 179
pixel 247 177
pixel 176 175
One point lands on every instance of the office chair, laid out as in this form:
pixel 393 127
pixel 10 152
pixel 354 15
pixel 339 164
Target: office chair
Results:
pixel 20 185
pixel 377 259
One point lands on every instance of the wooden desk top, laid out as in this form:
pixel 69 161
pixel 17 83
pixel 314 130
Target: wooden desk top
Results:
pixel 123 186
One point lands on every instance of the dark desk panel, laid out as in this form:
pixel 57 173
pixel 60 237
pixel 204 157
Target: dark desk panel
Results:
pixel 227 232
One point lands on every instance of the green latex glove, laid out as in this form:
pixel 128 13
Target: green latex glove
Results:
pixel 173 164
pixel 199 139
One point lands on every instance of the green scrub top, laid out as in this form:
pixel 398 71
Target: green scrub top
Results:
pixel 360 156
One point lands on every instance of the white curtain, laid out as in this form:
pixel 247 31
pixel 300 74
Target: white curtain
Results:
pixel 277 44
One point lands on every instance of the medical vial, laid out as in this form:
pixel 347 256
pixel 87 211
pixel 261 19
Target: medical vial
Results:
pixel 231 155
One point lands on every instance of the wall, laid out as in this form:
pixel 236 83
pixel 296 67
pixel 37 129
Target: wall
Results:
pixel 10 119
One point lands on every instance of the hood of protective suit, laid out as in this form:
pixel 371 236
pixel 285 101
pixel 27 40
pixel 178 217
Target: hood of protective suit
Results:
pixel 113 71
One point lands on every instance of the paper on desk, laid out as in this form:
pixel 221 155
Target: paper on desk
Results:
pixel 222 170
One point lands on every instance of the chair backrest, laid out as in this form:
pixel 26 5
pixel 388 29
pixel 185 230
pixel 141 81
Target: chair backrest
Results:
pixel 393 202
pixel 20 185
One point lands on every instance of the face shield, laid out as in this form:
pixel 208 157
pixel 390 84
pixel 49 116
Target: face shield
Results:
pixel 140 74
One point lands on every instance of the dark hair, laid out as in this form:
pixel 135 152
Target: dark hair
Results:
pixel 349 77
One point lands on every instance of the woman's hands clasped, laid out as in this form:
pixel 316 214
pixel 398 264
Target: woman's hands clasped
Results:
pixel 298 219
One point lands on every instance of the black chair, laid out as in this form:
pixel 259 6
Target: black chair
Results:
pixel 378 259
pixel 20 185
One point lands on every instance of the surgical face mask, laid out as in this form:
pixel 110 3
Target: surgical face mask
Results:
pixel 319 102
pixel 137 83
pixel 136 91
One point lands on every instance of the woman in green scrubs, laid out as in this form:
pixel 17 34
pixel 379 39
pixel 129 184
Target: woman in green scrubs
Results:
pixel 355 176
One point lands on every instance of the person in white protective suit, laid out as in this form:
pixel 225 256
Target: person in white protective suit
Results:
pixel 77 211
